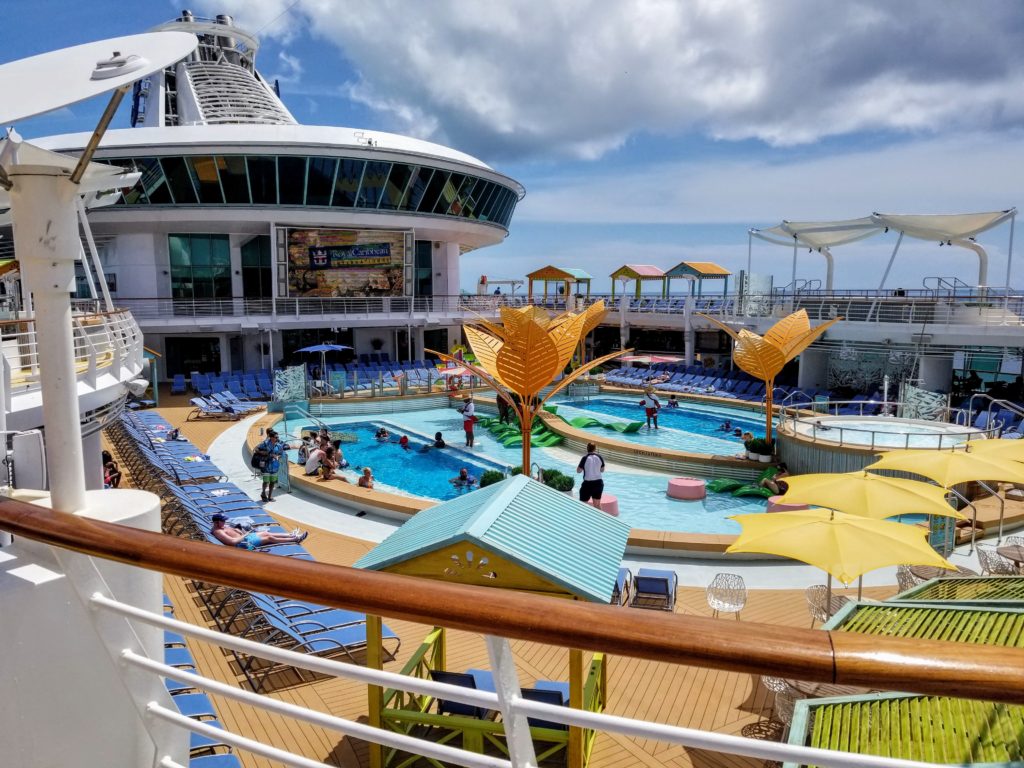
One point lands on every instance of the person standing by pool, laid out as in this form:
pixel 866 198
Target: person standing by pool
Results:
pixel 468 411
pixel 651 406
pixel 592 467
pixel 272 450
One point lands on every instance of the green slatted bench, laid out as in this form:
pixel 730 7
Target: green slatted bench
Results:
pixel 981 590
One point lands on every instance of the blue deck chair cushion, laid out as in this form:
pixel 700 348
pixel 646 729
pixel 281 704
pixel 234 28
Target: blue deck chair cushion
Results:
pixel 446 707
pixel 547 697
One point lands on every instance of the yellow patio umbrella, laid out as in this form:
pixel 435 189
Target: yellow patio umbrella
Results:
pixel 843 545
pixel 949 468
pixel 867 495
pixel 1003 449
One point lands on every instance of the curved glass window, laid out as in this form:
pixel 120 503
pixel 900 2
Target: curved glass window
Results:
pixel 320 180
pixel 295 180
pixel 291 180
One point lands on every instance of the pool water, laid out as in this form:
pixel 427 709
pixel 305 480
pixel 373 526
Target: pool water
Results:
pixel 643 502
pixel 887 432
pixel 695 428
pixel 423 473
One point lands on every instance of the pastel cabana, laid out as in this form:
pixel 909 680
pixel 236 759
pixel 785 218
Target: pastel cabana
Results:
pixel 639 274
pixel 566 276
pixel 517 534
pixel 697 272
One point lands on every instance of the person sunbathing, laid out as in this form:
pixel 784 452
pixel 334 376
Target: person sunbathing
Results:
pixel 234 537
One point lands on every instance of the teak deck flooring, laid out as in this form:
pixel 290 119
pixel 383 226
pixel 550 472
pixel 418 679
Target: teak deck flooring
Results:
pixel 724 702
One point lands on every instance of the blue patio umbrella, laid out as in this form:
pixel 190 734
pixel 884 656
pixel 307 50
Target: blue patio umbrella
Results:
pixel 323 349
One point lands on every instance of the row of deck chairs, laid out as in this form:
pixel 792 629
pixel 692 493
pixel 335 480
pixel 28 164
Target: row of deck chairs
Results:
pixel 252 386
pixel 188 503
pixel 222 405
pixel 649 588
pixel 146 448
pixel 204 752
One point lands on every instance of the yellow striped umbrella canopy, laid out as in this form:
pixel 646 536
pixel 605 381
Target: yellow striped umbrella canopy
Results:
pixel 845 546
pixel 860 493
pixel 949 468
pixel 1012 450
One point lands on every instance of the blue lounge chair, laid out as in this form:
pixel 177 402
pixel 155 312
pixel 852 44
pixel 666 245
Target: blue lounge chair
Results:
pixel 178 384
pixel 654 588
pixel 204 409
pixel 465 680
pixel 555 696
pixel 227 760
pixel 623 587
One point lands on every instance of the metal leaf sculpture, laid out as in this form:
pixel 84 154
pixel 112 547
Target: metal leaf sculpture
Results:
pixel 526 353
pixel 764 357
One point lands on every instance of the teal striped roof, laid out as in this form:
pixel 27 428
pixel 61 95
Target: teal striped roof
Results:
pixel 544 531
pixel 579 274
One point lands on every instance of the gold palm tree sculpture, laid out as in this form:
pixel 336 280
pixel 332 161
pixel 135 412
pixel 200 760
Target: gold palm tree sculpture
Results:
pixel 764 357
pixel 525 353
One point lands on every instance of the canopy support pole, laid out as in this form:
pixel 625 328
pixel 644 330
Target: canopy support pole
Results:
pixel 1009 256
pixel 750 248
pixel 829 268
pixel 885 275
pixel 793 280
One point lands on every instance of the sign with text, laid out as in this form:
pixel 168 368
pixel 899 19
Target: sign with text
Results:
pixel 340 263
pixel 345 256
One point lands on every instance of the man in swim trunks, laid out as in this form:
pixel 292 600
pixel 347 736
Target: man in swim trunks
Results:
pixel 651 406
pixel 592 467
pixel 233 537
pixel 468 419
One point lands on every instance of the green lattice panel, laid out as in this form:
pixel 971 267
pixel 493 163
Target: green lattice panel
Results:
pixel 986 589
pixel 985 626
pixel 930 728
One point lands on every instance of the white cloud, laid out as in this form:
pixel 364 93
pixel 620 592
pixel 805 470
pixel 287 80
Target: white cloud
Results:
pixel 290 69
pixel 579 77
pixel 953 174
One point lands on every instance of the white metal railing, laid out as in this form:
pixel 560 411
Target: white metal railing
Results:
pixel 797 419
pixel 101 341
pixel 507 700
pixel 925 311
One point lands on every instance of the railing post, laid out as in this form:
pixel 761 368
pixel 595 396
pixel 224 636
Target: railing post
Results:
pixel 375 694
pixel 506 683
pixel 575 702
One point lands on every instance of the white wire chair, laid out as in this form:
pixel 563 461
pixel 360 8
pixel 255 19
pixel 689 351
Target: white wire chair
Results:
pixel 994 564
pixel 905 579
pixel 818 604
pixel 727 593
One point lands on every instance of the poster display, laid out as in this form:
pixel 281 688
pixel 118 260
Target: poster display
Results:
pixel 345 262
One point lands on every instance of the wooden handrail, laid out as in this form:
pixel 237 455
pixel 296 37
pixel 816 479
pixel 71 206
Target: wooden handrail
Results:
pixel 848 658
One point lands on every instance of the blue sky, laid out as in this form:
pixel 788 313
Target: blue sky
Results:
pixel 647 131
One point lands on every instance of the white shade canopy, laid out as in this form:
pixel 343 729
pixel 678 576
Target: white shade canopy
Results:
pixel 58 79
pixel 942 227
pixel 952 229
pixel 819 234
pixel 97 177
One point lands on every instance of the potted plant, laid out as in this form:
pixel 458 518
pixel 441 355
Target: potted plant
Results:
pixel 748 446
pixel 760 449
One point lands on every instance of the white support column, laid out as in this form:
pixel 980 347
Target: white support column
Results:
pixel 813 371
pixel 92 456
pixel 46 240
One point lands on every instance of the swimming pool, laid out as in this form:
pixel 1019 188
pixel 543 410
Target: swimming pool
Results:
pixel 643 502
pixel 692 427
